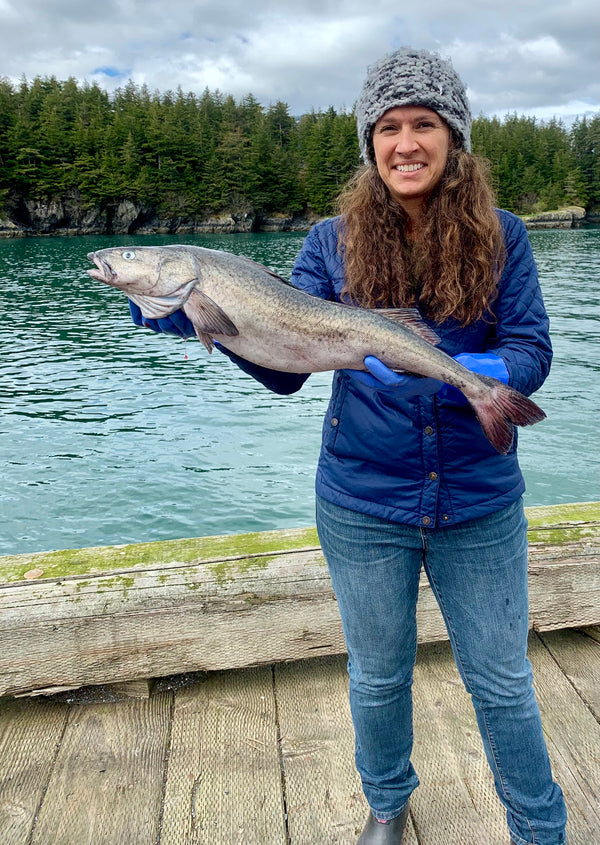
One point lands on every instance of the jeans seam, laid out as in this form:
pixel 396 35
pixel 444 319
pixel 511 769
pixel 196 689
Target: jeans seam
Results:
pixel 467 683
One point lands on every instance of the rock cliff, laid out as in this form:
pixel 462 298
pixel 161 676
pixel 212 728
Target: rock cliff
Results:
pixel 71 216
pixel 564 218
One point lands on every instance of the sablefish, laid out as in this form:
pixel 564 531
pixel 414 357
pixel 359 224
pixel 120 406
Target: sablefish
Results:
pixel 263 318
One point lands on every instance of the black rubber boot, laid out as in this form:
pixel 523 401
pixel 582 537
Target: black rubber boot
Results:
pixel 384 833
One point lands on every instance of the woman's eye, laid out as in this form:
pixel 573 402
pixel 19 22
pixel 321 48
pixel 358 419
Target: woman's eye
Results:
pixel 129 255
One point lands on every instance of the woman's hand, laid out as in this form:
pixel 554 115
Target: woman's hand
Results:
pixel 483 363
pixel 380 377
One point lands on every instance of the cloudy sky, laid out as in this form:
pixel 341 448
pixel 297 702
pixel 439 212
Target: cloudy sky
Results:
pixel 538 57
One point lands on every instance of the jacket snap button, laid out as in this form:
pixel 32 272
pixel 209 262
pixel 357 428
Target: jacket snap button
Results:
pixel 433 475
pixel 428 429
pixel 426 520
pixel 445 517
pixel 334 421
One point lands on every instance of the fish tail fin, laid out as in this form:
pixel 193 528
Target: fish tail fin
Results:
pixel 500 409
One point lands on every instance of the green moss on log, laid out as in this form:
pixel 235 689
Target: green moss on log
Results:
pixel 227 570
pixel 230 554
pixel 99 559
pixel 558 524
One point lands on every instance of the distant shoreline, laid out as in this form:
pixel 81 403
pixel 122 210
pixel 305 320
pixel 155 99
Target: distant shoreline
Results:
pixel 65 218
pixel 572 217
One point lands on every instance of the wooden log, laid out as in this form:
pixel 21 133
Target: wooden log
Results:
pixel 123 613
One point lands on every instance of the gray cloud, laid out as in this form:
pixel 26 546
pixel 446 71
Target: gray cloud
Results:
pixel 533 56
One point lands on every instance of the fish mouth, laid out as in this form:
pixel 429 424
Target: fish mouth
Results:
pixel 103 271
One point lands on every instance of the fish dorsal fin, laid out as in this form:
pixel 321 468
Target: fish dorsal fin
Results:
pixel 208 318
pixel 412 319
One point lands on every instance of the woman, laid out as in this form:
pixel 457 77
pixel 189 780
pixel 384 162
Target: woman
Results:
pixel 406 477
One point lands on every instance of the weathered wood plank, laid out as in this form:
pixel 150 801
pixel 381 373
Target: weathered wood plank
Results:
pixel 30 734
pixel 456 802
pixel 210 616
pixel 578 519
pixel 592 631
pixel 573 739
pixel 323 793
pixel 106 784
pixel 578 655
pixel 151 620
pixel 224 778
pixel 189 621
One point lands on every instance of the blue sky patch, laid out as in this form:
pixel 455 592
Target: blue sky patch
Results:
pixel 113 72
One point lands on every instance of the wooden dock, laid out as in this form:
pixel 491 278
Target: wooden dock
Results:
pixel 257 748
pixel 265 756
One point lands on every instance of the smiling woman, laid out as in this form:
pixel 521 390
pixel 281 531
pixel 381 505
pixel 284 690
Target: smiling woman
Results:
pixel 401 482
pixel 411 145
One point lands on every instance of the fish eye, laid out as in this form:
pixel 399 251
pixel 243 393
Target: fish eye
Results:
pixel 128 255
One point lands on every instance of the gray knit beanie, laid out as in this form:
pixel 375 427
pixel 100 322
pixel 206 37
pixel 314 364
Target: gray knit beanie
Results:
pixel 412 78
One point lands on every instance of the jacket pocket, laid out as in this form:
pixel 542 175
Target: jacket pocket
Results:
pixel 331 423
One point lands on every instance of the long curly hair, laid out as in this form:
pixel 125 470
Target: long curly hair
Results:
pixel 451 269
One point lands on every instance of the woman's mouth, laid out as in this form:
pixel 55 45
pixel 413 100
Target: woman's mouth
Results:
pixel 408 168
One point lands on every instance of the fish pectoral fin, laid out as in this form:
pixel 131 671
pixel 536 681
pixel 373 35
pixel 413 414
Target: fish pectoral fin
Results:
pixel 206 340
pixel 412 319
pixel 208 318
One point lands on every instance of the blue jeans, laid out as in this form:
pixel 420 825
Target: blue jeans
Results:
pixel 478 572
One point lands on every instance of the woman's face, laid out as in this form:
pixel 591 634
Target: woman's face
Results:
pixel 411 145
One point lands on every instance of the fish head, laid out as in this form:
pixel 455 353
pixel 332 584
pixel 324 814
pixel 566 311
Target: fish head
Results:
pixel 158 279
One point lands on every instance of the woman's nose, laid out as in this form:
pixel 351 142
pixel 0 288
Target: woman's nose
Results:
pixel 406 142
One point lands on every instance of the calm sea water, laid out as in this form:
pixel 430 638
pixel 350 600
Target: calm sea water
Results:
pixel 110 435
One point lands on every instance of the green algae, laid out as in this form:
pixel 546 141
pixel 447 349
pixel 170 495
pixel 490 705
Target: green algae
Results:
pixel 227 570
pixel 564 523
pixel 100 559
pixel 229 555
pixel 565 512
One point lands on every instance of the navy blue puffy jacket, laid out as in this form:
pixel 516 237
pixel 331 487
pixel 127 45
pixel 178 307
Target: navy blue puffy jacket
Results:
pixel 422 460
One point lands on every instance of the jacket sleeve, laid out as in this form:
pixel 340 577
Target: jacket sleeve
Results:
pixel 274 380
pixel 522 337
pixel 315 261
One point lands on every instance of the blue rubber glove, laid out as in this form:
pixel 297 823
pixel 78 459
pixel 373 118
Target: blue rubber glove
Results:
pixel 176 323
pixel 402 384
pixel 484 363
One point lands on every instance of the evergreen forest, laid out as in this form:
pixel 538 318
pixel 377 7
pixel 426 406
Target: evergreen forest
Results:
pixel 188 154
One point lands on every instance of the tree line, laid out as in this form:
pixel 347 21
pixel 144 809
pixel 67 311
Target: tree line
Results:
pixel 188 154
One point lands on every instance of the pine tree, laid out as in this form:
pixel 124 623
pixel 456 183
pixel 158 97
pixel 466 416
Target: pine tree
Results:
pixel 187 155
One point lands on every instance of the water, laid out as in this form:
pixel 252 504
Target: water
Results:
pixel 109 435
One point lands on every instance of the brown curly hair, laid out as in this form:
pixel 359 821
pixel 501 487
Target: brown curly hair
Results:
pixel 451 269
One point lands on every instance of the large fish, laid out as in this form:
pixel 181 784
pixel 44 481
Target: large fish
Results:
pixel 261 317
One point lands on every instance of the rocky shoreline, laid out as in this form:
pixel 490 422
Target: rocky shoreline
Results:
pixel 572 217
pixel 70 216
